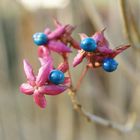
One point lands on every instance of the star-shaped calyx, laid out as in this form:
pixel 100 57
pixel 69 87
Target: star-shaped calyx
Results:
pixel 96 50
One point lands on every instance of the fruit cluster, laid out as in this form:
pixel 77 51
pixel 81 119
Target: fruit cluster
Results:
pixel 51 80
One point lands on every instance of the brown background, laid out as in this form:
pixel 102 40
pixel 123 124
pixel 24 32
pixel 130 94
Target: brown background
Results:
pixel 113 96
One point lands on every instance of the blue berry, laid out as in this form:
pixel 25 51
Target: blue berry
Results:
pixel 109 64
pixel 40 39
pixel 56 77
pixel 88 44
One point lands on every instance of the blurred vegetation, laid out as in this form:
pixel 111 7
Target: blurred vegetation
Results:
pixel 113 96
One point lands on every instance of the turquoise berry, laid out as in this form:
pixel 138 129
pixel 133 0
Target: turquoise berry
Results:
pixel 56 77
pixel 40 39
pixel 88 44
pixel 109 64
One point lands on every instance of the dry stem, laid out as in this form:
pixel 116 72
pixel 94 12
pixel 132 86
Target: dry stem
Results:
pixel 123 128
pixel 81 78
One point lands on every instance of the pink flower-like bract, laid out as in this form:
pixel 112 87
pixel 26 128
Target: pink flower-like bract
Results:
pixel 102 51
pixel 54 44
pixel 66 36
pixel 39 85
pixel 59 38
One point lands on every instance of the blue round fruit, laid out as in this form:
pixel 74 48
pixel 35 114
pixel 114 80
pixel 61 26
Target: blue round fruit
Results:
pixel 88 44
pixel 56 77
pixel 40 39
pixel 109 64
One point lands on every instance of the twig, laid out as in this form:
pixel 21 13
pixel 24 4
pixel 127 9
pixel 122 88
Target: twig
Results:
pixel 71 85
pixel 81 78
pixel 123 128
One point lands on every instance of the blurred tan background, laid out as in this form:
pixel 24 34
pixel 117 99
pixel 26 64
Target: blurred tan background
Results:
pixel 112 96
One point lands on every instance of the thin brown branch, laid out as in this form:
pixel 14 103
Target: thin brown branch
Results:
pixel 123 128
pixel 81 78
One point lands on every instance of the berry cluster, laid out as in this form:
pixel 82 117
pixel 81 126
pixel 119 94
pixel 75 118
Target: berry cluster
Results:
pixel 96 50
pixel 51 80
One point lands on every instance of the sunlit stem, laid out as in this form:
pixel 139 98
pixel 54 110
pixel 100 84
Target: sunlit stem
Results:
pixel 81 78
pixel 65 57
